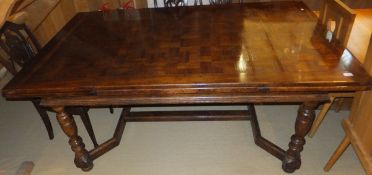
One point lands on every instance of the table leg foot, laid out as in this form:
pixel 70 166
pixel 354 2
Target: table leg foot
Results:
pixel 84 162
pixel 292 161
pixel 305 118
pixel 66 121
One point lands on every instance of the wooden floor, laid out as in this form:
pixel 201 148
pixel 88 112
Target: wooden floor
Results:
pixel 361 33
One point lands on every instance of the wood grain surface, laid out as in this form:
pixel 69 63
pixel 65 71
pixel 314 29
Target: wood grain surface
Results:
pixel 234 49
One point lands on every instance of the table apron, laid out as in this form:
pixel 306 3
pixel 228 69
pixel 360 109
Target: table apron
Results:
pixel 182 100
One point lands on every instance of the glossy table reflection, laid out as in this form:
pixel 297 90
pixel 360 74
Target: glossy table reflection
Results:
pixel 232 54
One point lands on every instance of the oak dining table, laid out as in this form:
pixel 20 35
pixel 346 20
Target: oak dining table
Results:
pixel 247 53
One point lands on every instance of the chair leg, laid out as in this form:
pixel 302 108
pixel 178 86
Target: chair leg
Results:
pixel 339 104
pixel 111 110
pixel 44 116
pixel 88 125
pixel 336 155
pixel 318 120
pixel 8 66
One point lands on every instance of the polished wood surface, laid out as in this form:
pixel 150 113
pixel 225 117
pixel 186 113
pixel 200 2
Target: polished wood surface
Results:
pixel 158 52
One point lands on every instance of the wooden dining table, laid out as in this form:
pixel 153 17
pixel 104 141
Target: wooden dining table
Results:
pixel 250 53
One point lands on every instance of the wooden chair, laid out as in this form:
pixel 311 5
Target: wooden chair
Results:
pixel 20 46
pixel 358 127
pixel 337 18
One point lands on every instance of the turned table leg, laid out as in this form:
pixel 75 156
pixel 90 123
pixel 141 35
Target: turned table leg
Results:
pixel 67 123
pixel 305 118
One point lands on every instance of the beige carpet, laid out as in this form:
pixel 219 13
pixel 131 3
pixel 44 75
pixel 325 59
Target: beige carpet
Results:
pixel 169 148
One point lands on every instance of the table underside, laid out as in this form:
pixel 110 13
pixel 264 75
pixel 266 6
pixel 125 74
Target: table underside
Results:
pixel 291 159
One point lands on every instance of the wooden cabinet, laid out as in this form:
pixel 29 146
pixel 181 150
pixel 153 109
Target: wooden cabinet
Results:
pixel 43 17
pixel 358 127
pixel 46 17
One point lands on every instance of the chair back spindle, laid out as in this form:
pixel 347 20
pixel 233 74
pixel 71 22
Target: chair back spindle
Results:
pixel 175 3
pixel 337 18
pixel 18 44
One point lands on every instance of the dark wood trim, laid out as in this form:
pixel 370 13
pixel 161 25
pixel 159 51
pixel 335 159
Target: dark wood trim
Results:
pixel 115 140
pixel 261 141
pixel 117 101
pixel 304 121
pixel 291 158
pixel 68 125
pixel 188 115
